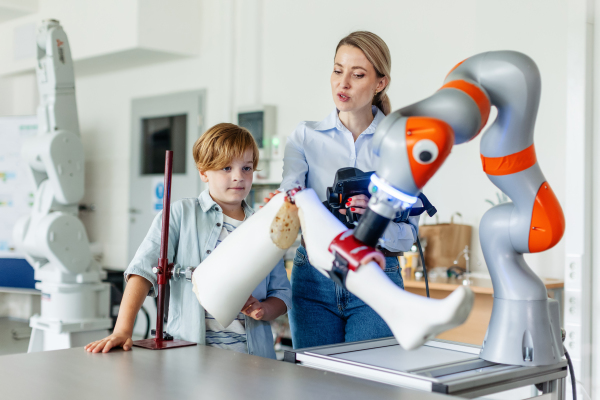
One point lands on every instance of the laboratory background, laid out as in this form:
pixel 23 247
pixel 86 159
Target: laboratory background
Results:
pixel 151 76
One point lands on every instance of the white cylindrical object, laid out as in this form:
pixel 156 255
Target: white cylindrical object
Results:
pixel 319 228
pixel 413 319
pixel 225 280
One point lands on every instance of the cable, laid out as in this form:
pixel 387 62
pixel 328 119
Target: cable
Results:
pixel 424 267
pixel 572 372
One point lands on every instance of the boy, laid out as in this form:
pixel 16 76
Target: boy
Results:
pixel 226 156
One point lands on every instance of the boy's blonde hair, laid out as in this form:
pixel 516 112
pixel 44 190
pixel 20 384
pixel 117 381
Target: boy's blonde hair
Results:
pixel 222 143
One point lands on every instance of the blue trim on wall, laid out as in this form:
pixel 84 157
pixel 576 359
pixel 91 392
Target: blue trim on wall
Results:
pixel 16 273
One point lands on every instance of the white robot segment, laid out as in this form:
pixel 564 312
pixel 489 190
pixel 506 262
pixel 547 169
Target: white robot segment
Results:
pixel 413 319
pixel 224 281
pixel 75 306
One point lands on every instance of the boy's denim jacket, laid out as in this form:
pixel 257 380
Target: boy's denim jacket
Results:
pixel 194 227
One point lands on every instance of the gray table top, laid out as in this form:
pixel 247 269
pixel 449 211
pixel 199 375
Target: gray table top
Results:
pixel 184 373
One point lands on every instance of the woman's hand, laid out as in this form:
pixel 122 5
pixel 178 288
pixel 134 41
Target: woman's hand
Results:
pixel 270 196
pixel 357 204
pixel 117 339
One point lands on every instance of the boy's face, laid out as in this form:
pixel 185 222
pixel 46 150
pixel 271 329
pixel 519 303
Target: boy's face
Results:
pixel 231 184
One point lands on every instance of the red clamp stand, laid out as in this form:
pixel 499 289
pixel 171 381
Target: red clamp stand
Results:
pixel 164 272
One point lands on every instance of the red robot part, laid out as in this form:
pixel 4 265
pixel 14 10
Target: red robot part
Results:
pixel 435 132
pixel 510 164
pixel 547 220
pixel 354 252
pixel 476 93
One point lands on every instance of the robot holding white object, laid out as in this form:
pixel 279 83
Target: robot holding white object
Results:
pixel 75 302
pixel 412 143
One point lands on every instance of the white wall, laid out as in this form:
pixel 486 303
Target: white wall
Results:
pixel 426 40
pixel 283 51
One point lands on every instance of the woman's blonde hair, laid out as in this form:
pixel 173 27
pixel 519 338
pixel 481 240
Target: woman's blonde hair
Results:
pixel 378 54
pixel 219 145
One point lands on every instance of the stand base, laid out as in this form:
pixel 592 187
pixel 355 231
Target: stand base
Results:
pixel 153 344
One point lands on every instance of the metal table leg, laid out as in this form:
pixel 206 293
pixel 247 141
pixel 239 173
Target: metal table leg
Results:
pixel 553 390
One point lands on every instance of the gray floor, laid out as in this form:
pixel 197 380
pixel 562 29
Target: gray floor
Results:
pixel 14 336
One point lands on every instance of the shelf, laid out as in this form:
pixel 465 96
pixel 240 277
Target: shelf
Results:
pixel 19 290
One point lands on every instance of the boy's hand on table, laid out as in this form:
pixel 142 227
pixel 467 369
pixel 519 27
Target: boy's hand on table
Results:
pixel 117 339
pixel 357 204
pixel 270 196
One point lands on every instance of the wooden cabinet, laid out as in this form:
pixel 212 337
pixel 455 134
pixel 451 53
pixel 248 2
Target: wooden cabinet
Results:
pixel 474 329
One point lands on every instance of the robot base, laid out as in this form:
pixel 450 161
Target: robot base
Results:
pixel 73 315
pixel 524 332
pixel 46 338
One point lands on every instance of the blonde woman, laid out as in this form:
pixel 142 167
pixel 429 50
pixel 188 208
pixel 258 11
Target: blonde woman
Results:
pixel 323 312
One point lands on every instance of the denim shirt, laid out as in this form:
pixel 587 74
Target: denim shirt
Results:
pixel 194 227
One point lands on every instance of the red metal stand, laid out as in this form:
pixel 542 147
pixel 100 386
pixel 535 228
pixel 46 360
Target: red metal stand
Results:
pixel 164 272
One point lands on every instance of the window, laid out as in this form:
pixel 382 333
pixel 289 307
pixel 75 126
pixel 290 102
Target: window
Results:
pixel 159 135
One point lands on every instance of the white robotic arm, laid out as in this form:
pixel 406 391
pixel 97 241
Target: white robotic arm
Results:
pixel 56 153
pixel 53 234
pixel 53 237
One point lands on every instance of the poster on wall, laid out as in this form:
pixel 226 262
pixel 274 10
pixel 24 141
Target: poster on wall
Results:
pixel 17 188
pixel 158 192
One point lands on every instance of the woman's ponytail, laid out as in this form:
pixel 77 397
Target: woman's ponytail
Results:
pixel 382 101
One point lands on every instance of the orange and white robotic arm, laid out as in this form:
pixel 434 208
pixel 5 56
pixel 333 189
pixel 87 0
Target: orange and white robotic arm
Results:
pixel 412 144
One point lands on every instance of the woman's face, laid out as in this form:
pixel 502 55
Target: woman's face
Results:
pixel 354 80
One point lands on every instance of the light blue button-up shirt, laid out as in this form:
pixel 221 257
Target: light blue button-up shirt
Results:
pixel 316 150
pixel 193 234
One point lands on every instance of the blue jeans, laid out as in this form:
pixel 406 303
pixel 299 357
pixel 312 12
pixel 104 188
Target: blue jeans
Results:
pixel 325 313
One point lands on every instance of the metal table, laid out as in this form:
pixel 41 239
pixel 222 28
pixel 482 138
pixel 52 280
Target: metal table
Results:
pixel 438 366
pixel 184 373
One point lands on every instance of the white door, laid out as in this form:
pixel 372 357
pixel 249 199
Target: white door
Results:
pixel 169 122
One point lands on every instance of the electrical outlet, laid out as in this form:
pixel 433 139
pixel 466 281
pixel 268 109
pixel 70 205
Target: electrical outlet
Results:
pixel 573 272
pixel 573 308
pixel 573 340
